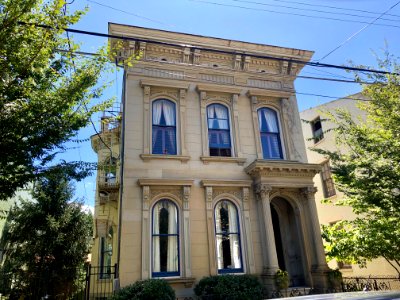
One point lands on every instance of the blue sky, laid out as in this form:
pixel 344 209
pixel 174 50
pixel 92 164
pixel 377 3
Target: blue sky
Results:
pixel 273 22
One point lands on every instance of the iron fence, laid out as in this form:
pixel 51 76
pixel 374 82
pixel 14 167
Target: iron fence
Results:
pixel 92 283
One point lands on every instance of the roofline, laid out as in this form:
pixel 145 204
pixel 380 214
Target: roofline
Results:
pixel 307 53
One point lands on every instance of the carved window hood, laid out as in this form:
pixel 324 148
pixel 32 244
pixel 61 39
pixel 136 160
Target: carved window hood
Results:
pixel 226 183
pixel 164 182
pixel 260 169
pixel 164 83
pixel 269 93
pixel 218 88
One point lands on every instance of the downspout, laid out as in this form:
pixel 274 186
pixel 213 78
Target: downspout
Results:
pixel 121 189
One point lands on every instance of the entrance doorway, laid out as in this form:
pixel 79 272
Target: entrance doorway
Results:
pixel 288 243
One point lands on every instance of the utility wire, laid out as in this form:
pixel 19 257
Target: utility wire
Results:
pixel 311 10
pixel 307 63
pixel 290 13
pixel 129 13
pixel 359 31
pixel 320 5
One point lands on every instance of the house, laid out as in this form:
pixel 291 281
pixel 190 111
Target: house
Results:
pixel 317 135
pixel 207 172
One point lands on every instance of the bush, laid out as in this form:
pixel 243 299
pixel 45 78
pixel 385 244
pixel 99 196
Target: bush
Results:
pixel 155 289
pixel 232 287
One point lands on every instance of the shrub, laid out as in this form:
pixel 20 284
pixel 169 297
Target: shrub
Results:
pixel 155 289
pixel 282 279
pixel 232 287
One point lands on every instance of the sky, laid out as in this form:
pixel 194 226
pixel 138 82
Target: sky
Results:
pixel 359 30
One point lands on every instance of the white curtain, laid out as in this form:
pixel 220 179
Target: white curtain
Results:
pixel 270 118
pixel 156 239
pixel 234 238
pixel 220 113
pixel 172 259
pixel 157 110
pixel 220 257
pixel 169 112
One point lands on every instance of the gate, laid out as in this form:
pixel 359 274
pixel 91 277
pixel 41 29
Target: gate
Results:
pixel 99 283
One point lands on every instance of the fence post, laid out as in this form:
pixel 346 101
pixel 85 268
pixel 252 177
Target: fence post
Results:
pixel 88 269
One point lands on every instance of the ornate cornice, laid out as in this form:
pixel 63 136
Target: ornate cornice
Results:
pixel 266 168
pixel 226 183
pixel 164 182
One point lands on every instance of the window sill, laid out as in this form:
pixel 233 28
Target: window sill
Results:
pixel 147 157
pixel 186 281
pixel 239 160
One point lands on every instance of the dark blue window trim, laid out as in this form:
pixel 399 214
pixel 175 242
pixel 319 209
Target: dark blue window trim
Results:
pixel 162 133
pixel 165 274
pixel 219 140
pixel 270 140
pixel 228 233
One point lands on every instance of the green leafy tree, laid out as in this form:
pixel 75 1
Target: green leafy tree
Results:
pixel 45 90
pixel 46 241
pixel 367 171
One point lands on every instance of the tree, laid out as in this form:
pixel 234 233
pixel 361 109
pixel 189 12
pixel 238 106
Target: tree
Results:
pixel 45 89
pixel 368 173
pixel 46 241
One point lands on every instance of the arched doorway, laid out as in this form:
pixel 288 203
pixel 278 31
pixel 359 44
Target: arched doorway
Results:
pixel 288 240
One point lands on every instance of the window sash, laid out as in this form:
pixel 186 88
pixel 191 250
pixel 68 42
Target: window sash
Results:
pixel 271 145
pixel 164 140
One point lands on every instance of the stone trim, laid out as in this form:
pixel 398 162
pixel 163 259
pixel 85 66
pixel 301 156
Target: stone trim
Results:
pixel 273 168
pixel 164 83
pixel 172 90
pixel 164 182
pixel 269 93
pixel 225 183
pixel 178 191
pixel 237 191
pixel 218 88
pixel 148 157
pixel 239 160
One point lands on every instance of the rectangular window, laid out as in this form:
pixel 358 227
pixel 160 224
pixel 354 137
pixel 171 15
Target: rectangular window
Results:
pixel 317 132
pixel 105 258
pixel 219 136
pixel 328 186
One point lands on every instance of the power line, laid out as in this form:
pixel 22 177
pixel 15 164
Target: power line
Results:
pixel 290 13
pixel 129 13
pixel 311 10
pixel 326 6
pixel 307 63
pixel 359 31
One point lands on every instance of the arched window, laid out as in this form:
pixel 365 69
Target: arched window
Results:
pixel 269 132
pixel 219 139
pixel 110 170
pixel 227 238
pixel 165 236
pixel 164 127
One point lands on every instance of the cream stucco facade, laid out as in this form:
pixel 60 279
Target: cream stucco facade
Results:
pixel 273 199
pixel 329 213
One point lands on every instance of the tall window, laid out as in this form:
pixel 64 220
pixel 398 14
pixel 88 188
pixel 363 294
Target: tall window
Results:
pixel 269 132
pixel 317 131
pixel 106 254
pixel 218 130
pixel 328 186
pixel 164 127
pixel 165 237
pixel 227 238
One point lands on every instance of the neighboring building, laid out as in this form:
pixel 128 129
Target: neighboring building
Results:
pixel 318 135
pixel 207 173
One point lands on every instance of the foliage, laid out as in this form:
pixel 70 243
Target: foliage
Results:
pixel 45 90
pixel 282 279
pixel 155 289
pixel 46 240
pixel 367 171
pixel 229 287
